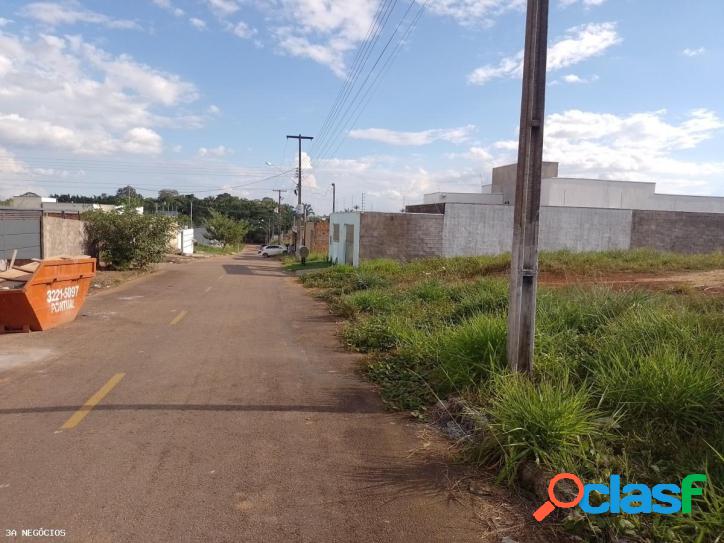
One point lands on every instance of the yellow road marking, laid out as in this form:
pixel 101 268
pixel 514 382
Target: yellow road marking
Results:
pixel 94 400
pixel 177 319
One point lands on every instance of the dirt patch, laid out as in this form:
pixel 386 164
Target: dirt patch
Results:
pixel 106 279
pixel 709 282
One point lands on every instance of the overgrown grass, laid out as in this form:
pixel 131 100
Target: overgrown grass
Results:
pixel 628 382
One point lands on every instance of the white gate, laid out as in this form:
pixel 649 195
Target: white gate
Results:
pixel 185 241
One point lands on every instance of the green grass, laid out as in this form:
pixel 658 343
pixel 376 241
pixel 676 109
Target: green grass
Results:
pixel 625 381
pixel 211 250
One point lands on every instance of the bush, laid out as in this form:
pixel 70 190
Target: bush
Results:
pixel 226 230
pixel 127 240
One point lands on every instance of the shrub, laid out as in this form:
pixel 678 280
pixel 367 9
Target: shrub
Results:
pixel 127 240
pixel 226 230
pixel 547 423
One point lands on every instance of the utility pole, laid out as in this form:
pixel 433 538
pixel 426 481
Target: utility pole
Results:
pixel 524 264
pixel 299 138
pixel 334 197
pixel 279 211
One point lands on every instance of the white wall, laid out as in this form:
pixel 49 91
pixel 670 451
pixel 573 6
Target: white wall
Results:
pixel 604 193
pixel 337 248
pixel 488 229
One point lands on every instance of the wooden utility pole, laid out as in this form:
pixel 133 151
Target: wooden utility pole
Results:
pixel 279 211
pixel 524 264
pixel 299 138
pixel 334 197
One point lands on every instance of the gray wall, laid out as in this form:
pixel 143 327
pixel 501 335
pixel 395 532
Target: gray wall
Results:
pixel 63 236
pixel 485 229
pixel 20 229
pixel 504 179
pixel 400 236
pixel 678 231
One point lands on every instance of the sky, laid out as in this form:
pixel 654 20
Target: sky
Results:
pixel 403 97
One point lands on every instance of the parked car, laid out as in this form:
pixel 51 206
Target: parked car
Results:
pixel 273 250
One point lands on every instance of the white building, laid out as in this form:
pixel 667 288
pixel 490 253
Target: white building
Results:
pixel 580 192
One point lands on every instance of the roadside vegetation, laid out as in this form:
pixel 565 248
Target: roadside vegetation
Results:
pixel 212 250
pixel 315 261
pixel 226 230
pixel 125 240
pixel 627 382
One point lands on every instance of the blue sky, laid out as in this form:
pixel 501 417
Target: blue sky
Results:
pixel 198 95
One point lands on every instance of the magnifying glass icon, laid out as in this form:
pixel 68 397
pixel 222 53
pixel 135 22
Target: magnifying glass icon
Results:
pixel 548 507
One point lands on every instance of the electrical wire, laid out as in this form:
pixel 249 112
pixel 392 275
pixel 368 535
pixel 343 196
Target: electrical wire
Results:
pixel 338 128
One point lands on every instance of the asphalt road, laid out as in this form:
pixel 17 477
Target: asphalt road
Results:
pixel 220 407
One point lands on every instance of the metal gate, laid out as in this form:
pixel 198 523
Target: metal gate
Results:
pixel 20 229
pixel 349 244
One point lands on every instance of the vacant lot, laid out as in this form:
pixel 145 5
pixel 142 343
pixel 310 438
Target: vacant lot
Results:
pixel 629 369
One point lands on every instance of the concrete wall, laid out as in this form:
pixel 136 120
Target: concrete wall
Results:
pixel 400 236
pixel 462 198
pixel 425 208
pixel 484 229
pixel 504 178
pixel 678 231
pixel 63 236
pixel 337 250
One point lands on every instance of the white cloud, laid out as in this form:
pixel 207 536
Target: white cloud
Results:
pixel 586 3
pixel 215 152
pixel 223 8
pixel 473 12
pixel 70 13
pixel 323 31
pixel 84 100
pixel 424 137
pixel 637 147
pixel 242 30
pixel 214 109
pixel 168 6
pixel 694 52
pixel 580 43
pixel 123 72
pixel 142 140
pixel 4 22
pixel 200 24
pixel 578 80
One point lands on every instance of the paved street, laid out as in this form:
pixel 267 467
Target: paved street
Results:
pixel 220 407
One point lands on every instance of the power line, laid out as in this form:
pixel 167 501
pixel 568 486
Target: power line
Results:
pixel 369 93
pixel 360 61
pixel 339 125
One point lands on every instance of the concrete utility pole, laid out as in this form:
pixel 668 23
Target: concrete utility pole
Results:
pixel 299 138
pixel 334 197
pixel 524 265
pixel 279 212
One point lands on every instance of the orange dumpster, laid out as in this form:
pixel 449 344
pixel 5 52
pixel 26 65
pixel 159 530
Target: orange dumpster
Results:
pixel 53 292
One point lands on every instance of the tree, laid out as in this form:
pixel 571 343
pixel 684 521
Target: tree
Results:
pixel 167 194
pixel 226 230
pixel 127 240
pixel 129 196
